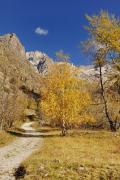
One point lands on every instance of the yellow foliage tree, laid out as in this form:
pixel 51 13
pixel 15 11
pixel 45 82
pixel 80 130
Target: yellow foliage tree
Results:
pixel 105 30
pixel 104 45
pixel 64 98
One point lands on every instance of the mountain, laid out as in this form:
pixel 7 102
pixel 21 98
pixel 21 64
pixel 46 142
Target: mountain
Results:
pixel 91 74
pixel 13 61
pixel 16 62
pixel 20 78
pixel 19 82
pixel 40 61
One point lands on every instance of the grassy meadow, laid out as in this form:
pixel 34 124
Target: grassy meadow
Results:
pixel 84 155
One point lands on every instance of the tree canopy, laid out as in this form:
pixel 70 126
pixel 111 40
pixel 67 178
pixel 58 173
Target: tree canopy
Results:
pixel 65 98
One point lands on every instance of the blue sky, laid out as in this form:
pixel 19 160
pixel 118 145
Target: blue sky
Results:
pixel 58 23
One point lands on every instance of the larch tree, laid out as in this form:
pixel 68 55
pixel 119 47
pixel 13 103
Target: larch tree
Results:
pixel 64 98
pixel 104 46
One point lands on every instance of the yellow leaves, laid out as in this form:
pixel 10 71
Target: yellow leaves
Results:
pixel 49 105
pixel 66 96
pixel 106 30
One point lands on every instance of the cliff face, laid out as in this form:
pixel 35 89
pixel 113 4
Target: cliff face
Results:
pixel 19 82
pixel 13 61
pixel 40 61
pixel 12 43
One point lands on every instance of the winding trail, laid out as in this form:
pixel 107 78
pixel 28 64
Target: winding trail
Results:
pixel 12 155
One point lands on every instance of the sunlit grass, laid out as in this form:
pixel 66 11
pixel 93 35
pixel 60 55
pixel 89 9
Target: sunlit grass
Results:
pixel 80 155
pixel 5 138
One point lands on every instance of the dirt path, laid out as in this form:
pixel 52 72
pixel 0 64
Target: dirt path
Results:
pixel 12 155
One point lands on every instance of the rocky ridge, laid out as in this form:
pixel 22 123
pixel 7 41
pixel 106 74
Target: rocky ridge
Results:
pixel 13 61
pixel 40 61
pixel 18 77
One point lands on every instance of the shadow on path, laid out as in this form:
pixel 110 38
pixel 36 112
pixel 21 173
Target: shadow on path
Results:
pixel 33 134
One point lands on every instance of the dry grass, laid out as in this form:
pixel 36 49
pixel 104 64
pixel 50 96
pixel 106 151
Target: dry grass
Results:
pixel 5 138
pixel 85 155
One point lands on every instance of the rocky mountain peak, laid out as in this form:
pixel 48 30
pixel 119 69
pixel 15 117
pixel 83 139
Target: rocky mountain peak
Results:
pixel 40 61
pixel 13 44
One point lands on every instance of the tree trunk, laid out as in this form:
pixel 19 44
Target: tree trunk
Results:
pixel 1 126
pixel 64 130
pixel 112 127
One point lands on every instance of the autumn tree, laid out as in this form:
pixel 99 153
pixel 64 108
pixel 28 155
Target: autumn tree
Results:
pixel 104 46
pixel 65 98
